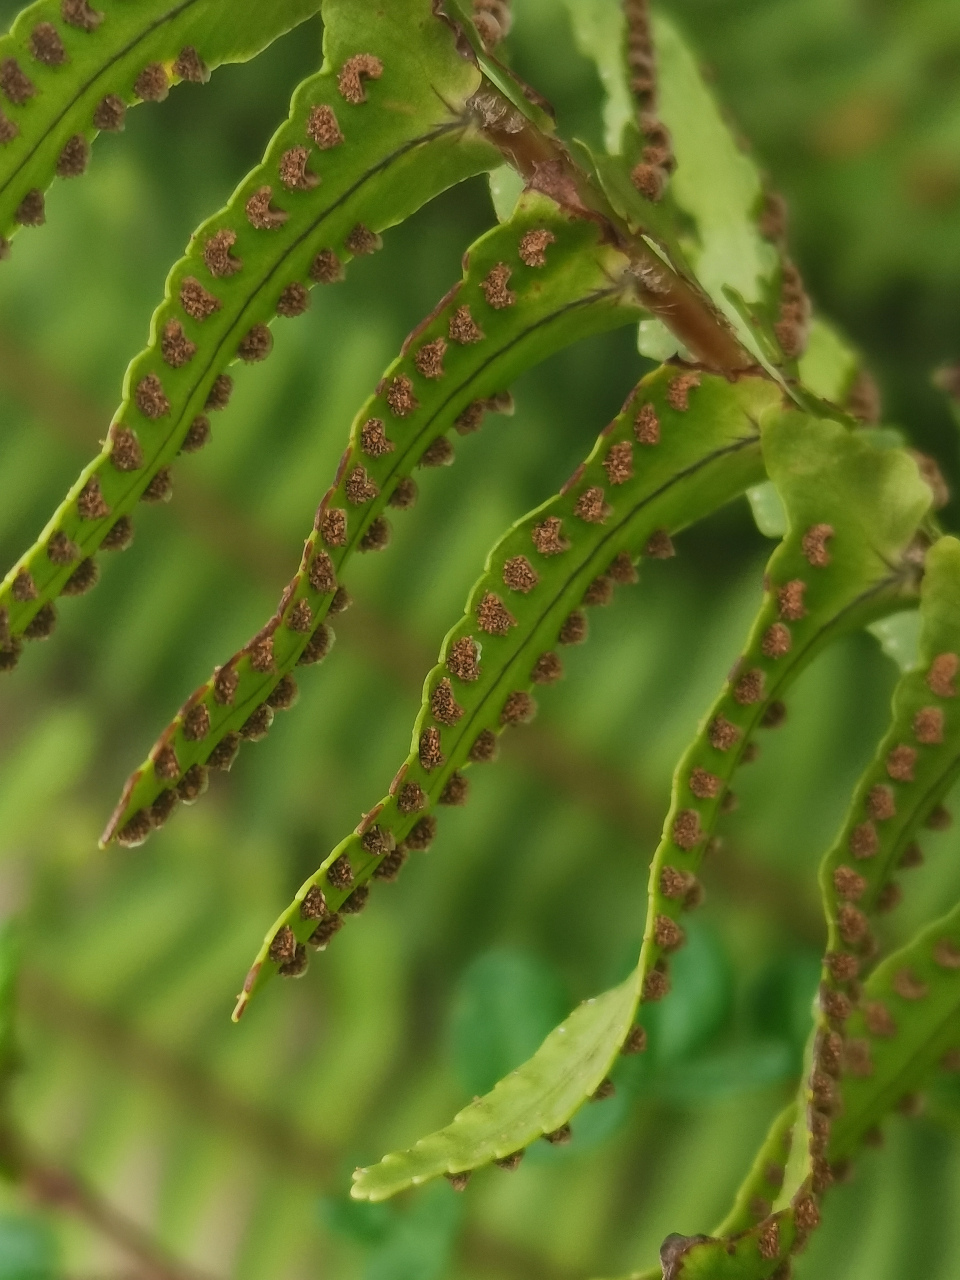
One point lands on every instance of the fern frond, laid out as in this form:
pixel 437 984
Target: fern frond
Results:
pixel 675 453
pixel 69 70
pixel 379 131
pixel 838 489
pixel 530 287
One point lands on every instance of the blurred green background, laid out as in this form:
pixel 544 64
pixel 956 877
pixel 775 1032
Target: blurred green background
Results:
pixel 232 1144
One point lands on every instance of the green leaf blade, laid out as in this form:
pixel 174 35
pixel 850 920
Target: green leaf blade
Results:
pixel 536 1099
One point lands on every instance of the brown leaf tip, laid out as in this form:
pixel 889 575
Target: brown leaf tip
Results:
pixel 548 537
pixel 400 396
pixel 928 725
pixel 429 358
pixel 484 748
pixel 326 268
pixel 533 247
pixel 864 841
pixel 411 798
pixel 722 734
pixel 323 129
pixel 520 575
pixel 443 705
pixel 152 84
pixel 659 546
pixel 495 288
pixel 260 212
pixel 196 301
pixel 463 329
pixel 431 757
pixel 575 628
pixel 46 46
pixel 900 763
pixel 618 463
pixel 109 114
pixel 175 347
pixel 591 506
pixel 74 158
pixel 813 544
pixel 941 675
pixel 353 73
pixel 150 397
pixel 678 392
pixel 493 617
pixel 463 659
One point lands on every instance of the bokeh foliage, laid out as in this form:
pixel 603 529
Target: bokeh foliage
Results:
pixel 235 1143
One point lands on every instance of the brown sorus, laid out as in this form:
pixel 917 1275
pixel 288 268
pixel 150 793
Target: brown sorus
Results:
pixel 152 84
pixel 574 628
pixel 463 659
pixel 224 753
pixel 257 723
pixel 353 73
pixel 294 300
pixel 533 246
pixel 260 211
pixel 548 538
pixel 323 129
pixel 495 288
pixel 520 575
pixel 196 301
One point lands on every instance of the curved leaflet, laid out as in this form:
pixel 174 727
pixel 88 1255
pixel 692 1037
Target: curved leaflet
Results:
pixel 530 287
pixel 824 473
pixel 676 452
pixel 69 69
pixel 386 106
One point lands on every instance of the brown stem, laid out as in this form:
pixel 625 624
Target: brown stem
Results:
pixel 546 165
pixel 60 1189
